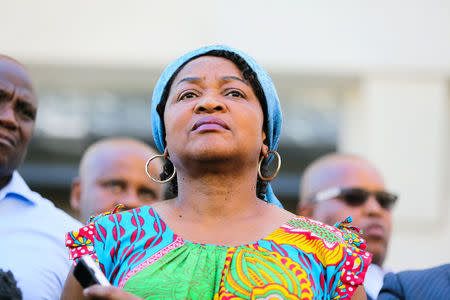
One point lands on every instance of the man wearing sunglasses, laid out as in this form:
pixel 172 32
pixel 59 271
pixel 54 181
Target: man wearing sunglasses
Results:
pixel 336 186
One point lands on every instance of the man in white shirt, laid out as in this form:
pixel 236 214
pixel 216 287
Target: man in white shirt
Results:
pixel 32 230
pixel 336 186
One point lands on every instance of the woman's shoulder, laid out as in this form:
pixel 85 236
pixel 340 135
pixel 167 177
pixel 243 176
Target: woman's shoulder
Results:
pixel 302 229
pixel 330 245
pixel 119 215
pixel 339 233
pixel 111 225
pixel 335 250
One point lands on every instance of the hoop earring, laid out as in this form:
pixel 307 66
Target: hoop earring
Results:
pixel 166 156
pixel 276 171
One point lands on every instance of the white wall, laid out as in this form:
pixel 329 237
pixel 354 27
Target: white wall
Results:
pixel 305 36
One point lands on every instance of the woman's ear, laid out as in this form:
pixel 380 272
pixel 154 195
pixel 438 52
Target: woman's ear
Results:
pixel 264 150
pixel 264 147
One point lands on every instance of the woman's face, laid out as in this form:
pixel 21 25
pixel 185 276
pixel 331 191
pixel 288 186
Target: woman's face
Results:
pixel 213 114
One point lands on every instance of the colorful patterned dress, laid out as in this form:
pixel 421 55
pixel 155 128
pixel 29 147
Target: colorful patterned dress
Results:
pixel 303 259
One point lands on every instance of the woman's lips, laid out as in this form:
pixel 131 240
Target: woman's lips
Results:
pixel 210 124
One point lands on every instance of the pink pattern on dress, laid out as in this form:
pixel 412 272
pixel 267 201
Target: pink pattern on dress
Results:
pixel 178 242
pixel 80 242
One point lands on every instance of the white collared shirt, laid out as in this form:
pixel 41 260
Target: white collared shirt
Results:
pixel 32 235
pixel 374 280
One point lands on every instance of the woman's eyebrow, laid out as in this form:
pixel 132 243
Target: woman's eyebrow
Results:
pixel 224 78
pixel 189 79
pixel 228 78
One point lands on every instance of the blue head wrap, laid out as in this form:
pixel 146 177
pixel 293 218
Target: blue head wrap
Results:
pixel 274 119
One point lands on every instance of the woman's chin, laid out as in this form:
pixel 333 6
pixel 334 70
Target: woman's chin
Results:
pixel 215 148
pixel 211 153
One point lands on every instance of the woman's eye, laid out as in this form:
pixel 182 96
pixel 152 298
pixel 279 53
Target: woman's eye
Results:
pixel 236 94
pixel 188 95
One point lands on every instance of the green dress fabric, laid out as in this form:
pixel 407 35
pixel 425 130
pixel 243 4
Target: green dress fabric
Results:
pixel 197 266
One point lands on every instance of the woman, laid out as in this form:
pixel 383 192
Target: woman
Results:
pixel 215 116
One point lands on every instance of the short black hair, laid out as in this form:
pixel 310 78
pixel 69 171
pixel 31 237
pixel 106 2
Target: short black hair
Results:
pixel 248 75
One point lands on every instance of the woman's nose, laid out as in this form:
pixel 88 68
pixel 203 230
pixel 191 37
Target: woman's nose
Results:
pixel 209 104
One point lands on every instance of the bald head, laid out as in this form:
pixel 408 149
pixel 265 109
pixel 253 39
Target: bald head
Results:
pixel 339 172
pixel 112 171
pixel 9 58
pixel 20 70
pixel 108 151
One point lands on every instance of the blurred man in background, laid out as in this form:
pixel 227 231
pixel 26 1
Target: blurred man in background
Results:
pixel 111 172
pixel 336 186
pixel 32 230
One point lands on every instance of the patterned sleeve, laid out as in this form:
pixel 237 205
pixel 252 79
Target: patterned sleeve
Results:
pixel 120 241
pixel 82 241
pixel 352 270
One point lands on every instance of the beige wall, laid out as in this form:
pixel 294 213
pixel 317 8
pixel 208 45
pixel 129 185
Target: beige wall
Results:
pixel 401 123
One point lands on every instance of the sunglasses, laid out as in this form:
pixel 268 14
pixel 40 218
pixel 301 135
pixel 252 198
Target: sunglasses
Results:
pixel 357 196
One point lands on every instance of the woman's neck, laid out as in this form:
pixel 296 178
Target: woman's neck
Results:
pixel 214 196
pixel 220 208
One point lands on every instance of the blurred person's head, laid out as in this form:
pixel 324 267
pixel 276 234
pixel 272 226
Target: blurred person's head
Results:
pixel 336 186
pixel 18 107
pixel 111 172
pixel 8 286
